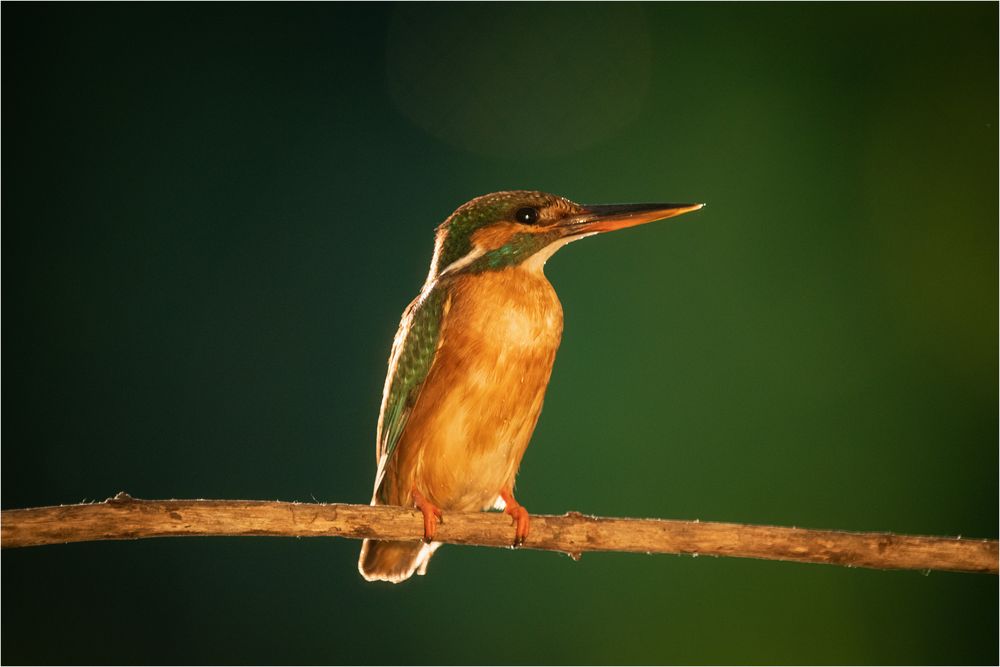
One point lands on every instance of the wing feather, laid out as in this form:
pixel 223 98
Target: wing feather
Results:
pixel 412 356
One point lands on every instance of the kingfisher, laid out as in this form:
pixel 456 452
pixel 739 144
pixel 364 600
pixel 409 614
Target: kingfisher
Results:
pixel 470 363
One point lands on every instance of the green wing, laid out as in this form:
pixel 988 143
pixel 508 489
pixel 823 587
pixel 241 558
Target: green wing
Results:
pixel 411 360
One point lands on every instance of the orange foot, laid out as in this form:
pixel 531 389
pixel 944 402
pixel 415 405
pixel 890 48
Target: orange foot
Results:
pixel 431 512
pixel 519 514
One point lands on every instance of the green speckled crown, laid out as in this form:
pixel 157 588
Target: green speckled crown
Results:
pixel 454 234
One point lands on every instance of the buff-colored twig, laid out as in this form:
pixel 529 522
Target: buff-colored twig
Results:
pixel 125 518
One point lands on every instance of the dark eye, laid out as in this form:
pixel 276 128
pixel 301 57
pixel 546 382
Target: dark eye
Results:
pixel 526 215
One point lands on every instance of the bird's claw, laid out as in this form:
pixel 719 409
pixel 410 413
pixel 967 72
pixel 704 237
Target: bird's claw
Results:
pixel 520 517
pixel 432 514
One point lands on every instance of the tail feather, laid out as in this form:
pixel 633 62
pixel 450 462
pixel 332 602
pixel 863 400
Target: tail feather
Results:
pixel 394 561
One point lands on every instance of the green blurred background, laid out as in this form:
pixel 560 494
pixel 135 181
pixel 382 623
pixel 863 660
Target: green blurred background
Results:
pixel 214 215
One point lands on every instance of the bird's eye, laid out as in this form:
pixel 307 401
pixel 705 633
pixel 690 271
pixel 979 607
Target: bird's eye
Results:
pixel 526 215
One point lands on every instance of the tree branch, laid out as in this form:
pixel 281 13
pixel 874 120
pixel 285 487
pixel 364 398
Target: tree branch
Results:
pixel 124 518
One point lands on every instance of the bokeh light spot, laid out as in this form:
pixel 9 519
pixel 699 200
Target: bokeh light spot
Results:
pixel 530 80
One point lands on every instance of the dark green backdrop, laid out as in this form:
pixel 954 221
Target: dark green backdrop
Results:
pixel 213 216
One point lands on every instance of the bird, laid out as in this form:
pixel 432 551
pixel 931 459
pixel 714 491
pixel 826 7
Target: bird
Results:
pixel 471 361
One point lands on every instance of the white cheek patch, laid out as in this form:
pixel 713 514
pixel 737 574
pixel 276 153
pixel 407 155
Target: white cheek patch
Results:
pixel 534 263
pixel 464 261
pixel 537 261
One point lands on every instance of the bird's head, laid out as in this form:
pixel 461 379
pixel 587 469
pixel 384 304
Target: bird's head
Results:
pixel 516 227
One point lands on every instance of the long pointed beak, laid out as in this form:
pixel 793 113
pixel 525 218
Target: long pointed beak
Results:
pixel 610 217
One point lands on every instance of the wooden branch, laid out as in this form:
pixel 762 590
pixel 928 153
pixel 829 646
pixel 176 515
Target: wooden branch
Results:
pixel 125 518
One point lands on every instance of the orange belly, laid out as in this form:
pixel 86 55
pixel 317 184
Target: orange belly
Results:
pixel 465 437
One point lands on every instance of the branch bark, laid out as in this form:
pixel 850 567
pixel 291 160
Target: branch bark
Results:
pixel 125 518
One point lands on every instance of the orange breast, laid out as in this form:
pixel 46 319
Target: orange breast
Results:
pixel 476 412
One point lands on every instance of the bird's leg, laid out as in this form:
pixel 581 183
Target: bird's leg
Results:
pixel 431 512
pixel 519 514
